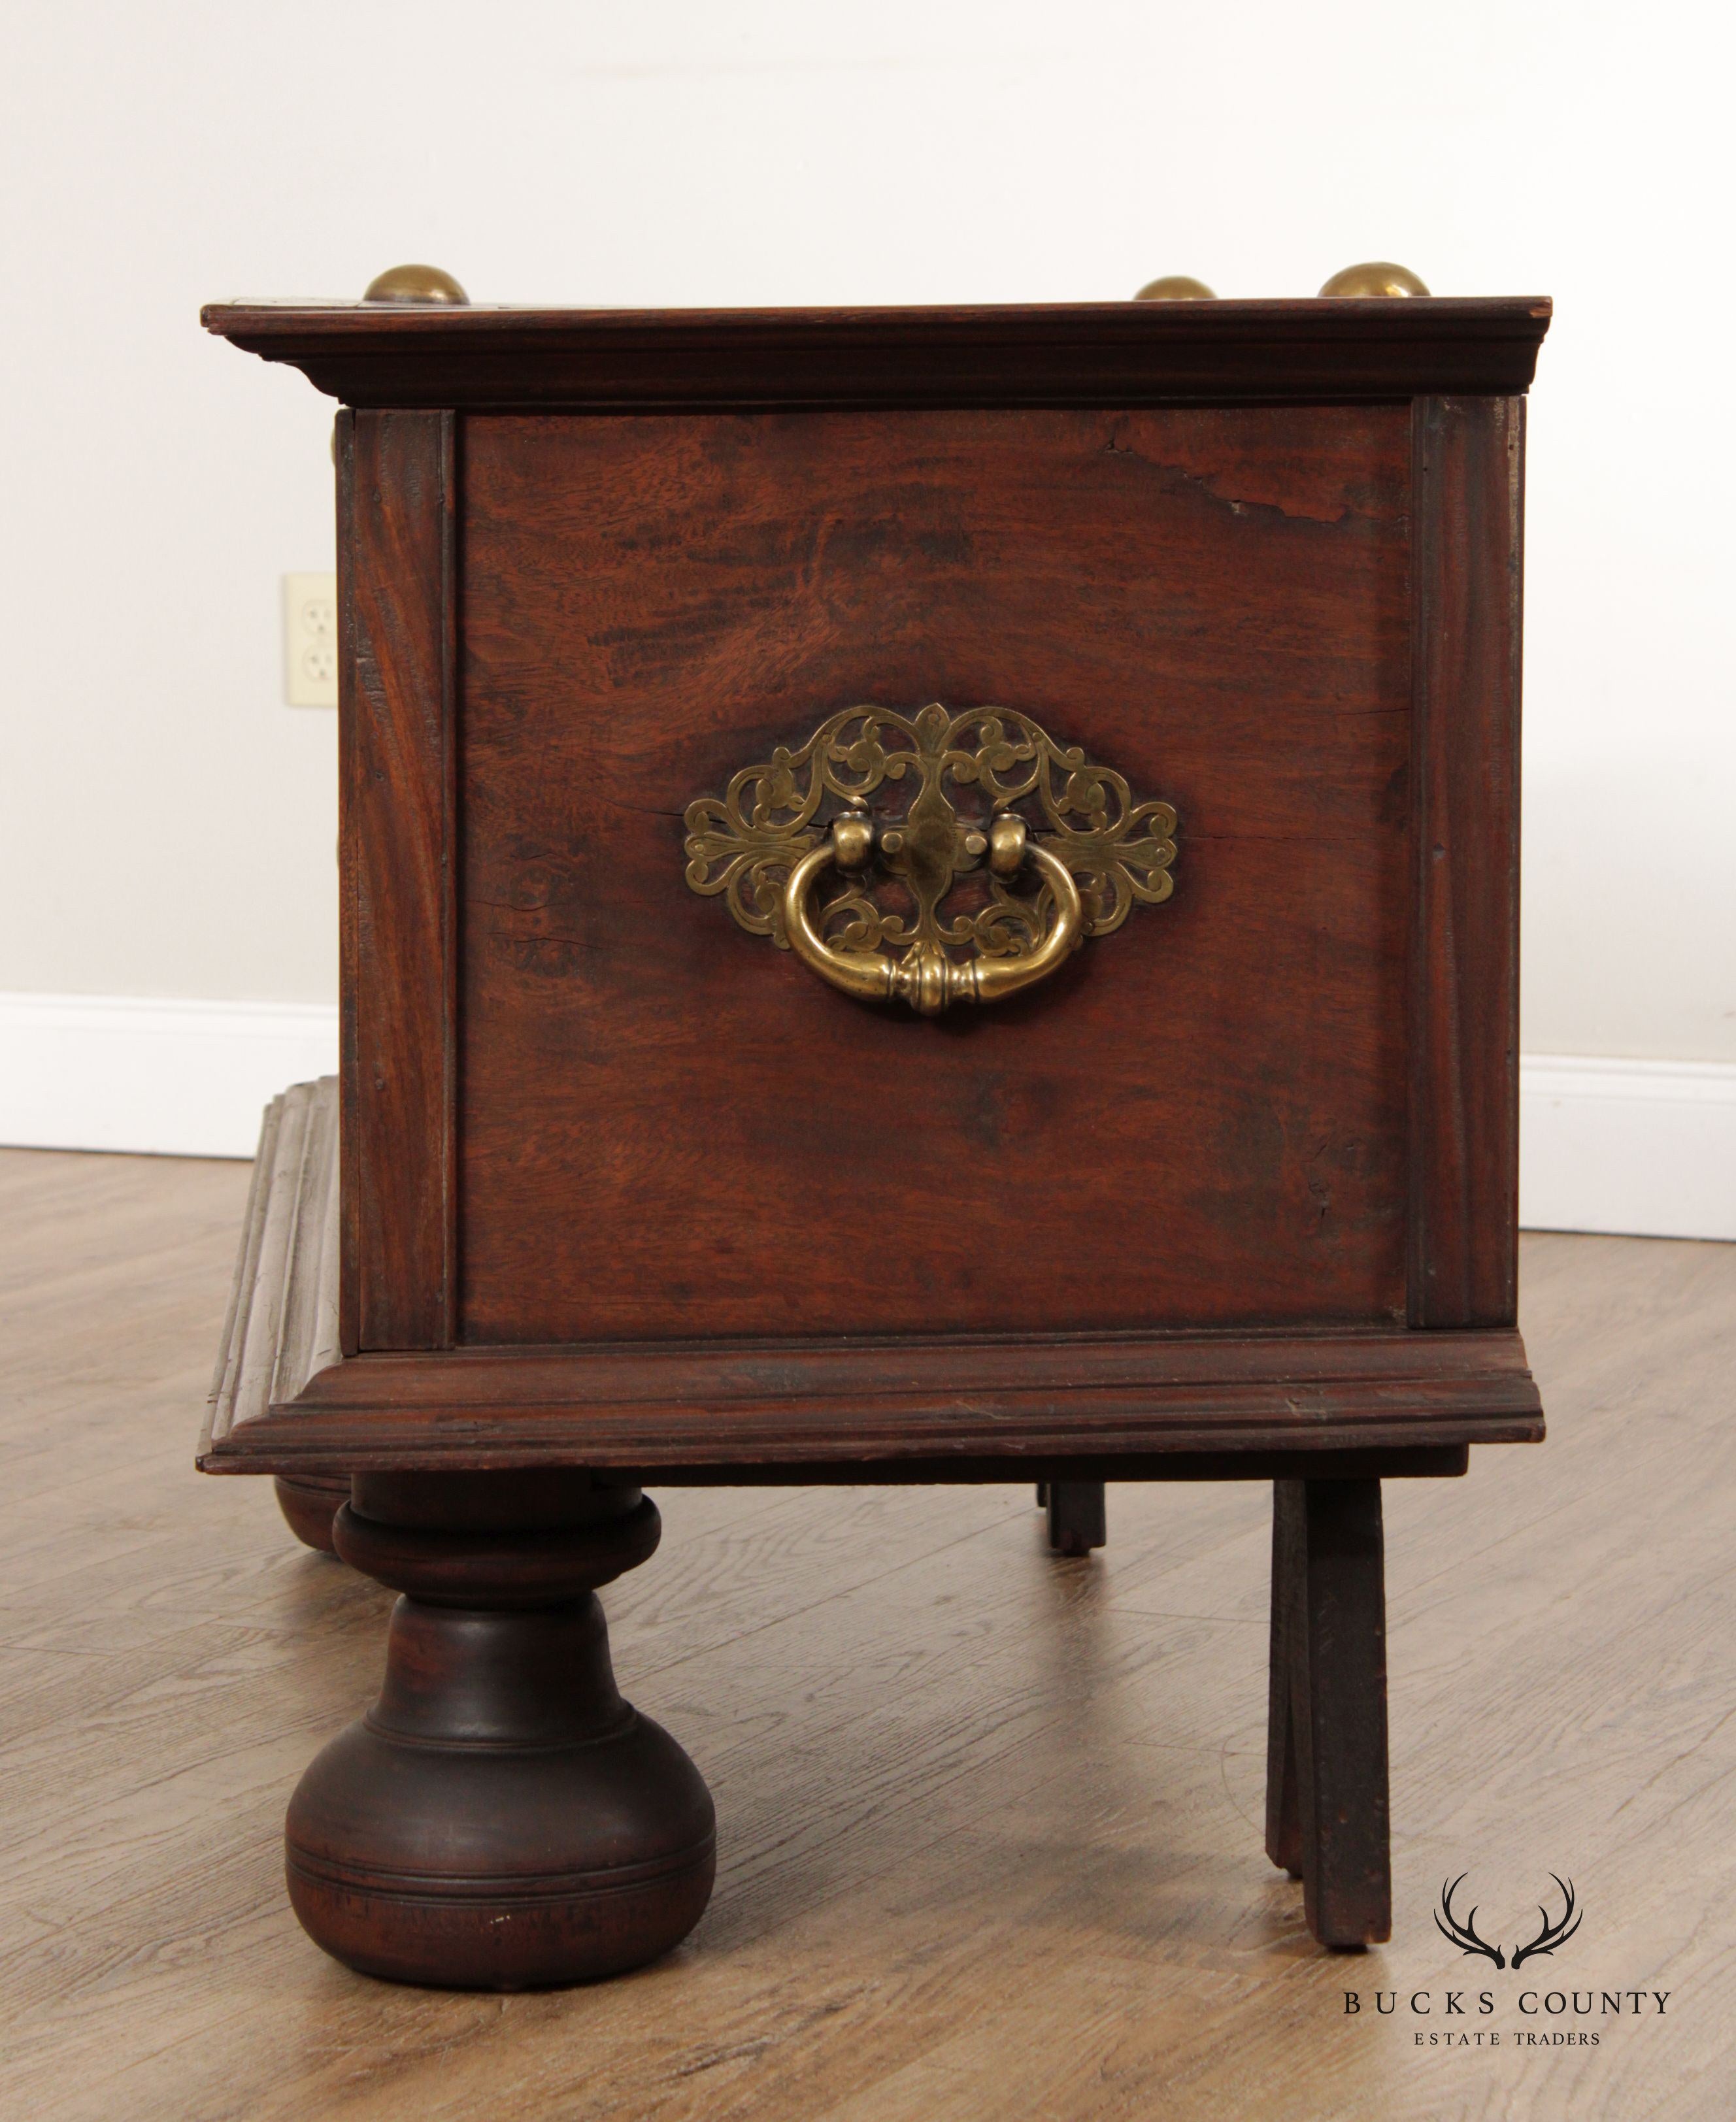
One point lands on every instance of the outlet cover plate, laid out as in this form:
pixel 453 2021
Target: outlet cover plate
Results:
pixel 310 640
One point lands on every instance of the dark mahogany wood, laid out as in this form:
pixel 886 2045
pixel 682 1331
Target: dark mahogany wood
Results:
pixel 650 604
pixel 1114 353
pixel 929 1408
pixel 396 496
pixel 615 1193
pixel 1326 1819
pixel 500 1818
pixel 675 1407
pixel 309 1502
pixel 1467 479
pixel 1077 1515
pixel 1296 1043
pixel 1418 1462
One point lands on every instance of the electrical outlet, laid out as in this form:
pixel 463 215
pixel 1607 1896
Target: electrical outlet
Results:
pixel 310 640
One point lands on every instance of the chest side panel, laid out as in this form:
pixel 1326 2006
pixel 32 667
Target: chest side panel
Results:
pixel 667 1127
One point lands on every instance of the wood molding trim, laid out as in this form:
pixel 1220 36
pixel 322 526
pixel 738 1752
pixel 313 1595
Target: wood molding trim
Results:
pixel 285 1399
pixel 1084 353
pixel 282 1329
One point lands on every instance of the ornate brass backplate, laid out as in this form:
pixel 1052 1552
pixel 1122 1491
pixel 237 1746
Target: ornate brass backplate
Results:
pixel 1095 852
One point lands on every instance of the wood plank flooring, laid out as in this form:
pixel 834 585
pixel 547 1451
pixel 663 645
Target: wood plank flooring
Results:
pixel 989 1821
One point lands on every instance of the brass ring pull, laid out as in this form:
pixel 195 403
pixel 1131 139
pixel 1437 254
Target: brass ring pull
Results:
pixel 1097 849
pixel 925 977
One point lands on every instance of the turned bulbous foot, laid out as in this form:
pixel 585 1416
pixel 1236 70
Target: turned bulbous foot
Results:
pixel 501 1819
pixel 309 1502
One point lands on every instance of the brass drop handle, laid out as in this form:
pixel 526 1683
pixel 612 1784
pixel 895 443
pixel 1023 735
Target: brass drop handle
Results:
pixel 762 847
pixel 925 977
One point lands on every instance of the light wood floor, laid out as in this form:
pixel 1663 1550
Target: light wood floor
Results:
pixel 988 1821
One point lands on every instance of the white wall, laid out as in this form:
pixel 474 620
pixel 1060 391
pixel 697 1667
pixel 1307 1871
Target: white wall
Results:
pixel 169 824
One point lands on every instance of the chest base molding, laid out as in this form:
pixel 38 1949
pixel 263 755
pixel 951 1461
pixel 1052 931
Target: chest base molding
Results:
pixel 1117 1406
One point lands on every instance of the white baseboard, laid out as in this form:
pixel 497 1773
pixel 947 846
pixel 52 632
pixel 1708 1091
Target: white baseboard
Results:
pixel 1647 1148
pixel 137 1072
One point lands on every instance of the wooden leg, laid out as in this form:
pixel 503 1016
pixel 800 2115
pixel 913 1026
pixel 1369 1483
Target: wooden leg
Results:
pixel 1326 1743
pixel 1282 1798
pixel 1077 1516
pixel 501 1819
pixel 309 1502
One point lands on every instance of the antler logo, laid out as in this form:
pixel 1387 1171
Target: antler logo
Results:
pixel 1464 1935
pixel 1552 1934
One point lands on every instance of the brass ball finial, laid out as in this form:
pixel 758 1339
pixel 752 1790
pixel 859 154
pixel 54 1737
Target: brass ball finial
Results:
pixel 1176 288
pixel 1380 277
pixel 414 283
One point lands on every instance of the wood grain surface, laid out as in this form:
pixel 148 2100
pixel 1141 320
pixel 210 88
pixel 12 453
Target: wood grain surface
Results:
pixel 397 784
pixel 1327 1747
pixel 1069 1406
pixel 1070 353
pixel 1467 485
pixel 992 1852
pixel 669 1128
